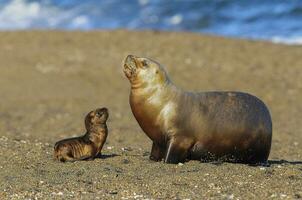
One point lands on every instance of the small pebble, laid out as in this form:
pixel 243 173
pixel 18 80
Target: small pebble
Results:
pixel 230 196
pixel 126 149
pixel 125 161
pixel 112 192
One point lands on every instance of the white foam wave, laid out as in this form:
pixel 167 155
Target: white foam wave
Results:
pixel 176 19
pixel 48 14
pixel 81 21
pixel 296 40
pixel 143 2
pixel 20 14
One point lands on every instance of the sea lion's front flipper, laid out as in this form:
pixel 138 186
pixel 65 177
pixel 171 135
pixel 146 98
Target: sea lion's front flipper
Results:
pixel 178 148
pixel 157 152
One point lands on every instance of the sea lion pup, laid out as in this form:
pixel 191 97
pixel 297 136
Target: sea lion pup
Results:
pixel 89 145
pixel 225 126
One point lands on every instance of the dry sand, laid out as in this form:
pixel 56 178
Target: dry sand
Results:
pixel 50 80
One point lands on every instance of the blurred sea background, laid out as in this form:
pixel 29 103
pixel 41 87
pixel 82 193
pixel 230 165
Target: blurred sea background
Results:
pixel 279 21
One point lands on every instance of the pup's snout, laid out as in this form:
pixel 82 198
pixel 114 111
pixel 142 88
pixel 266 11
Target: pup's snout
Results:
pixel 102 111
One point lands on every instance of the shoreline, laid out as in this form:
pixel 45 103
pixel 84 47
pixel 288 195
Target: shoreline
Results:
pixel 277 40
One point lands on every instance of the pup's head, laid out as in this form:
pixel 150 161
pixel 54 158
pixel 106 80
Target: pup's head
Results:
pixel 96 117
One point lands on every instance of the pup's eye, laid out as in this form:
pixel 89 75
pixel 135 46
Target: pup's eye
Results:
pixel 99 114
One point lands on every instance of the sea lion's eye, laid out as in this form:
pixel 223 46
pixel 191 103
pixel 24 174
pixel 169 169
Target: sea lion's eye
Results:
pixel 144 63
pixel 99 114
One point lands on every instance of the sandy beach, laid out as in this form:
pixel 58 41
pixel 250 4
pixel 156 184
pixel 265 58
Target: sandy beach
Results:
pixel 49 81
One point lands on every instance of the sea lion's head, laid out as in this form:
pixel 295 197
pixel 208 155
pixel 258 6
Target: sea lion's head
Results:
pixel 96 117
pixel 142 72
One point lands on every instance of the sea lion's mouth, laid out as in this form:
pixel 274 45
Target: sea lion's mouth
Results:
pixel 130 66
pixel 129 71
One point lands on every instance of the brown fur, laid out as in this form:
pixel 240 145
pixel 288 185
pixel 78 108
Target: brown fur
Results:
pixel 89 145
pixel 231 126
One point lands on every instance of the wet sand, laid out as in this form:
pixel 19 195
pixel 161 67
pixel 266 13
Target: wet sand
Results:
pixel 50 80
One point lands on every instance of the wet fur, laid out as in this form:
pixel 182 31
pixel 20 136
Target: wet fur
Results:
pixel 228 126
pixel 88 146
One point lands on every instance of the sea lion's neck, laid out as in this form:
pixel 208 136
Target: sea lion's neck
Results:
pixel 147 103
pixel 148 93
pixel 97 134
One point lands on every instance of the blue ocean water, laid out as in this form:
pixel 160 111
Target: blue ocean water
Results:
pixel 275 20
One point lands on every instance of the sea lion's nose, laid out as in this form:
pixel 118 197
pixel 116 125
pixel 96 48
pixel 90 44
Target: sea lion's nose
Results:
pixel 130 58
pixel 102 111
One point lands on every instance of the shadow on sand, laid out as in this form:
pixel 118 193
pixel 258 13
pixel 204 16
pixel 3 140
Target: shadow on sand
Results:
pixel 280 162
pixel 105 156
pixel 269 163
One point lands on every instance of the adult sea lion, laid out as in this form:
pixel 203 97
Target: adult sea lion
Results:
pixel 89 145
pixel 229 126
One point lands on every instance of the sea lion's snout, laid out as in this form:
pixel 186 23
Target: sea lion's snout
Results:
pixel 130 61
pixel 135 62
pixel 102 111
pixel 130 66
pixel 102 114
pixel 130 58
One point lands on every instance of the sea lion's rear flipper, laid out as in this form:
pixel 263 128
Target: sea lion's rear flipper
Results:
pixel 178 148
